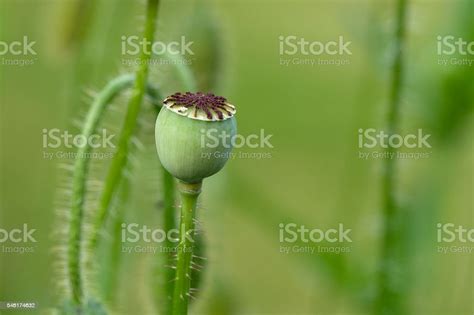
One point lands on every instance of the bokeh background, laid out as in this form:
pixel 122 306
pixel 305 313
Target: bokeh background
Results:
pixel 312 176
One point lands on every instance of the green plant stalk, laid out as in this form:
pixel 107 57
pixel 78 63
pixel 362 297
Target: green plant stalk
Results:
pixel 108 275
pixel 121 156
pixel 81 166
pixel 163 273
pixel 189 194
pixel 169 224
pixel 389 294
pixel 155 98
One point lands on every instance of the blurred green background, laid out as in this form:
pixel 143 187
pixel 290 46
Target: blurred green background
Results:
pixel 312 176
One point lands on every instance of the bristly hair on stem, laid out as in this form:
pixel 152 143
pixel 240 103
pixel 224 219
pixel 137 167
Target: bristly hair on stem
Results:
pixel 120 159
pixel 189 194
pixel 164 268
pixel 75 248
pixel 81 166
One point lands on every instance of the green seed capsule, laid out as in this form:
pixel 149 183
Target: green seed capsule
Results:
pixel 193 133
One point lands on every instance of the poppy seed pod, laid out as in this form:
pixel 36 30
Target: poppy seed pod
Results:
pixel 192 133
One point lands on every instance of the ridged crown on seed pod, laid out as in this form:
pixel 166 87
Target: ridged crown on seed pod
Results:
pixel 181 131
pixel 200 106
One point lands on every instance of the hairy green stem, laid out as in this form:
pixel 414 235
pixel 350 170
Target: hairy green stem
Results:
pixel 168 212
pixel 110 270
pixel 389 294
pixel 163 273
pixel 79 185
pixel 189 194
pixel 121 156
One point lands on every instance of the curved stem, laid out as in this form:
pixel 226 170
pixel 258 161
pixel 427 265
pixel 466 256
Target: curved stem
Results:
pixel 189 194
pixel 389 299
pixel 109 280
pixel 155 97
pixel 169 223
pixel 121 157
pixel 81 167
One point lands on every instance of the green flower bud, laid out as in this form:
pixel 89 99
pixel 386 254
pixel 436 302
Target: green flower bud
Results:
pixel 182 132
